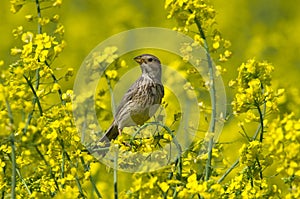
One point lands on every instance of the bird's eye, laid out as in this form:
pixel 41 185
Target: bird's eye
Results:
pixel 150 59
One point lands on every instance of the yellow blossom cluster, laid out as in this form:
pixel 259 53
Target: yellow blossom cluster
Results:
pixel 40 153
pixel 283 141
pixel 253 86
pixel 186 11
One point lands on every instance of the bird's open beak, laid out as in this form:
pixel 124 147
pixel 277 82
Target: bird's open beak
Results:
pixel 139 59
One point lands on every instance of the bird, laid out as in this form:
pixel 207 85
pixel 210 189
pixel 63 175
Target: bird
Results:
pixel 140 102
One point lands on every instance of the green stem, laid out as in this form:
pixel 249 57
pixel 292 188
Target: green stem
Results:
pixel 13 152
pixel 23 181
pixel 229 170
pixel 36 98
pixel 38 9
pixel 62 166
pixel 47 164
pixel 79 186
pixel 178 160
pixel 14 167
pixel 116 174
pixel 86 168
pixel 3 190
pixel 259 129
pixel 111 94
pixel 260 168
pixel 261 118
pixel 208 167
pixel 60 93
pixel 37 74
pixel 175 141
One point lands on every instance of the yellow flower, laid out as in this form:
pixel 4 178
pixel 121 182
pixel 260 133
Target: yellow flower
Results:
pixel 57 3
pixel 167 137
pixel 111 74
pixel 29 17
pixel 15 51
pixel 27 37
pixel 164 186
pixel 60 29
pixel 55 87
pixel 55 18
pixel 123 64
pixel 2 164
pixel 216 45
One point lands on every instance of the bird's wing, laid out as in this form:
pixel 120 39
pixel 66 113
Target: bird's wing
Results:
pixel 129 94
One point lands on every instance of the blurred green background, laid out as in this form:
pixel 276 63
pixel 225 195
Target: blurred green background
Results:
pixel 264 29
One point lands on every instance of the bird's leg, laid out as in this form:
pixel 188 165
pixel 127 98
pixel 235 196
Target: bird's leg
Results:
pixel 120 131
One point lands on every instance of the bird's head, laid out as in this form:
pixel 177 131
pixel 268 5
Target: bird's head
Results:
pixel 150 65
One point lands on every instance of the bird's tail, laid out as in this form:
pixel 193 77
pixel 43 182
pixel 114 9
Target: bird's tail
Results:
pixel 104 142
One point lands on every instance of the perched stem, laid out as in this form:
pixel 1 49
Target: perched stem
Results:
pixel 178 160
pixel 175 141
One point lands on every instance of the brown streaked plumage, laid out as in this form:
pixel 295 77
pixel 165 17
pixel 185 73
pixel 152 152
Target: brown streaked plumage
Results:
pixel 140 102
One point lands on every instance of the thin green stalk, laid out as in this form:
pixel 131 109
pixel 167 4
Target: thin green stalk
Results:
pixel 23 181
pixel 13 150
pixel 229 170
pixel 253 138
pixel 111 94
pixel 69 159
pixel 79 186
pixel 261 137
pixel 95 187
pixel 38 9
pixel 14 167
pixel 64 153
pixel 36 98
pixel 62 167
pixel 39 31
pixel 47 164
pixel 60 93
pixel 86 168
pixel 3 191
pixel 175 141
pixel 260 168
pixel 261 118
pixel 116 174
pixel 212 125
pixel 178 160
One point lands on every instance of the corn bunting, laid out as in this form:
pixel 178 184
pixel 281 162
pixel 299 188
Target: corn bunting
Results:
pixel 141 101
